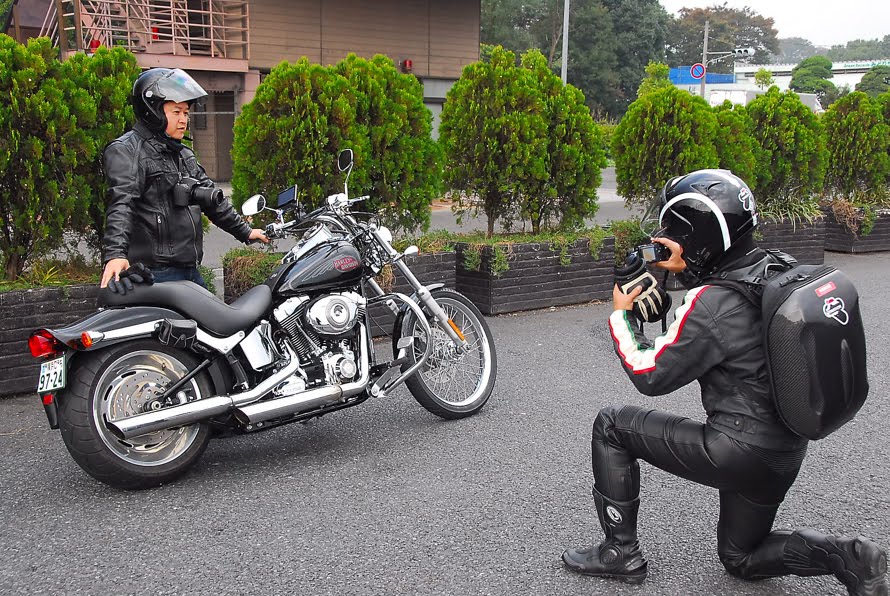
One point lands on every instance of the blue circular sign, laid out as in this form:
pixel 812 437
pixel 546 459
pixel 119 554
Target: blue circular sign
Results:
pixel 697 70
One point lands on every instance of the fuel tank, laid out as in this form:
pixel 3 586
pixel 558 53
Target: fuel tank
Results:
pixel 331 265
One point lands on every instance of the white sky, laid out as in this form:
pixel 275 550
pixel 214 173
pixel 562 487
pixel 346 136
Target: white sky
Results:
pixel 823 23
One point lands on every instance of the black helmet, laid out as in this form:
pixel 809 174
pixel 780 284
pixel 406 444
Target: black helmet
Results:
pixel 706 212
pixel 156 86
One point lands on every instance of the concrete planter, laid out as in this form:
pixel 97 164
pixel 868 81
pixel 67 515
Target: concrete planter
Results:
pixel 839 239
pixel 23 311
pixel 803 241
pixel 536 277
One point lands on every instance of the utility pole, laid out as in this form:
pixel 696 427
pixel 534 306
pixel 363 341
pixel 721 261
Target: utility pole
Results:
pixel 704 60
pixel 565 41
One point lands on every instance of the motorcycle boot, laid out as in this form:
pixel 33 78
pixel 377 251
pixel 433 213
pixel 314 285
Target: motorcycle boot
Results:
pixel 619 556
pixel 858 563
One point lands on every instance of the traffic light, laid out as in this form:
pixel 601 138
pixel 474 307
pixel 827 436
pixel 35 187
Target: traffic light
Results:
pixel 743 52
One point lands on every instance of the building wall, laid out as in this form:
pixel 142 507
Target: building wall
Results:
pixel 439 37
pixel 848 72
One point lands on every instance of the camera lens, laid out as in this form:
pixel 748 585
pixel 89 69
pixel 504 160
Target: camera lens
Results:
pixel 208 196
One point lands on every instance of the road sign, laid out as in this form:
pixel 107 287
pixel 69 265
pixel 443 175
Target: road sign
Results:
pixel 697 70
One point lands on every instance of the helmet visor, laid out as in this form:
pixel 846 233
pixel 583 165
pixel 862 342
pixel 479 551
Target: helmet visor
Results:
pixel 650 222
pixel 179 86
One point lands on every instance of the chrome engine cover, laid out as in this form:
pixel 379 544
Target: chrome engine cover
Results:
pixel 335 314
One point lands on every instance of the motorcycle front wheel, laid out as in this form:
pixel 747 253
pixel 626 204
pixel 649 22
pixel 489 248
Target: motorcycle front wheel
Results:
pixel 452 384
pixel 123 381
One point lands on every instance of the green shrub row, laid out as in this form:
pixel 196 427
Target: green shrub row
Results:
pixel 792 159
pixel 304 113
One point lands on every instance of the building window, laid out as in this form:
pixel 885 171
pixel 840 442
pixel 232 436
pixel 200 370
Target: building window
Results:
pixel 199 116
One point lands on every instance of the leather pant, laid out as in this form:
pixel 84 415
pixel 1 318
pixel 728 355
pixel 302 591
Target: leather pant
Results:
pixel 752 483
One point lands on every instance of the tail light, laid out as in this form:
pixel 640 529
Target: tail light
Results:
pixel 43 344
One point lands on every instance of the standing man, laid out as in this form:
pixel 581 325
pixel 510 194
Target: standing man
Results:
pixel 157 190
pixel 744 450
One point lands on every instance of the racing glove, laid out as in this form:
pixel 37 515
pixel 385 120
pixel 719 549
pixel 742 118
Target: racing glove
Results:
pixel 654 302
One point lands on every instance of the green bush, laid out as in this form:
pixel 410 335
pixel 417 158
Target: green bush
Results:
pixel 290 133
pixel 607 127
pixel 107 76
pixel 575 155
pixel 791 164
pixel 44 144
pixel 627 235
pixel 736 147
pixel 245 268
pixel 858 142
pixel 400 155
pixel 501 246
pixel 494 137
pixel 664 133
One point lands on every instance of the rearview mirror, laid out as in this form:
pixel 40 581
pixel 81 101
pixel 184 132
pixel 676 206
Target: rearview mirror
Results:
pixel 253 205
pixel 344 160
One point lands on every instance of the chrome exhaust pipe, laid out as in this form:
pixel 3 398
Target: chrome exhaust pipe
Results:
pixel 306 400
pixel 200 409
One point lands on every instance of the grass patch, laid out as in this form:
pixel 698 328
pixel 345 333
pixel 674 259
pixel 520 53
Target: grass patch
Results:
pixel 45 273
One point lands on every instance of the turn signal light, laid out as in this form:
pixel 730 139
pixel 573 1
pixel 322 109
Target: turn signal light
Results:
pixel 42 344
pixel 457 330
pixel 86 340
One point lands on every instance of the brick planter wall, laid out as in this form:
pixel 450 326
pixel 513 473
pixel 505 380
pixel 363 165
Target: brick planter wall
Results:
pixel 839 239
pixel 23 311
pixel 803 241
pixel 536 279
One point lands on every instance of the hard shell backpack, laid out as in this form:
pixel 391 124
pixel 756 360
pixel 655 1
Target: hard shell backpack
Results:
pixel 814 343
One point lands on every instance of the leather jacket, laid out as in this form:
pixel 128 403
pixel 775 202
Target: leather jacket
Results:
pixel 715 339
pixel 142 222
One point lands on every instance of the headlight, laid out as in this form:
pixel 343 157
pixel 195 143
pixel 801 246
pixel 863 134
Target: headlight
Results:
pixel 385 234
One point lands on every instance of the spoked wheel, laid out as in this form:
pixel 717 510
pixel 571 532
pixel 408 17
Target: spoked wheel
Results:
pixel 124 381
pixel 451 383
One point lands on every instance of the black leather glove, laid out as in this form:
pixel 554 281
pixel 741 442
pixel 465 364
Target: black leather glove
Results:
pixel 653 303
pixel 135 274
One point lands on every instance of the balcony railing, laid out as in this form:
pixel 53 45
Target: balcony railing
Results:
pixel 209 28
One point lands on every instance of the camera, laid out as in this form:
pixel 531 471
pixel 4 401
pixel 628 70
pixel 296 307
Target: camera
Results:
pixel 653 252
pixel 188 191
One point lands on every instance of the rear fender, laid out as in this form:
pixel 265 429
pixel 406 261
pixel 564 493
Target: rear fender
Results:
pixel 115 324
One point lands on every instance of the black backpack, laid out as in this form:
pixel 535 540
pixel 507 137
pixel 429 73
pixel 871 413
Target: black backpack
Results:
pixel 813 339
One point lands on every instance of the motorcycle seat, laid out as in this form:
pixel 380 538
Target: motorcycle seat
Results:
pixel 190 299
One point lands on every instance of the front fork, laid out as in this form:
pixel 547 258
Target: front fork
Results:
pixel 425 297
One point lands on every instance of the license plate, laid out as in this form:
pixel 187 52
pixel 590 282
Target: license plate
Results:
pixel 52 375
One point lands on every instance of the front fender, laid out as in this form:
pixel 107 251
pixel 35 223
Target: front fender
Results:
pixel 108 320
pixel 403 310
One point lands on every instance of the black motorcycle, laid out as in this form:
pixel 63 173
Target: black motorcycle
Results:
pixel 138 388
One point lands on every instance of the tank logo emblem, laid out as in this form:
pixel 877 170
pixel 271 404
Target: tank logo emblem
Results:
pixel 825 289
pixel 834 309
pixel 614 514
pixel 346 264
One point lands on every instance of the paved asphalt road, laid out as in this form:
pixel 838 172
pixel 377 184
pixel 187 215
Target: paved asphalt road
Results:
pixel 387 499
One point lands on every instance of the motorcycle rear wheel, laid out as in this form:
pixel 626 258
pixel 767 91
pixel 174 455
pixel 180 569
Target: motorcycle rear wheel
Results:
pixel 117 383
pixel 452 385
